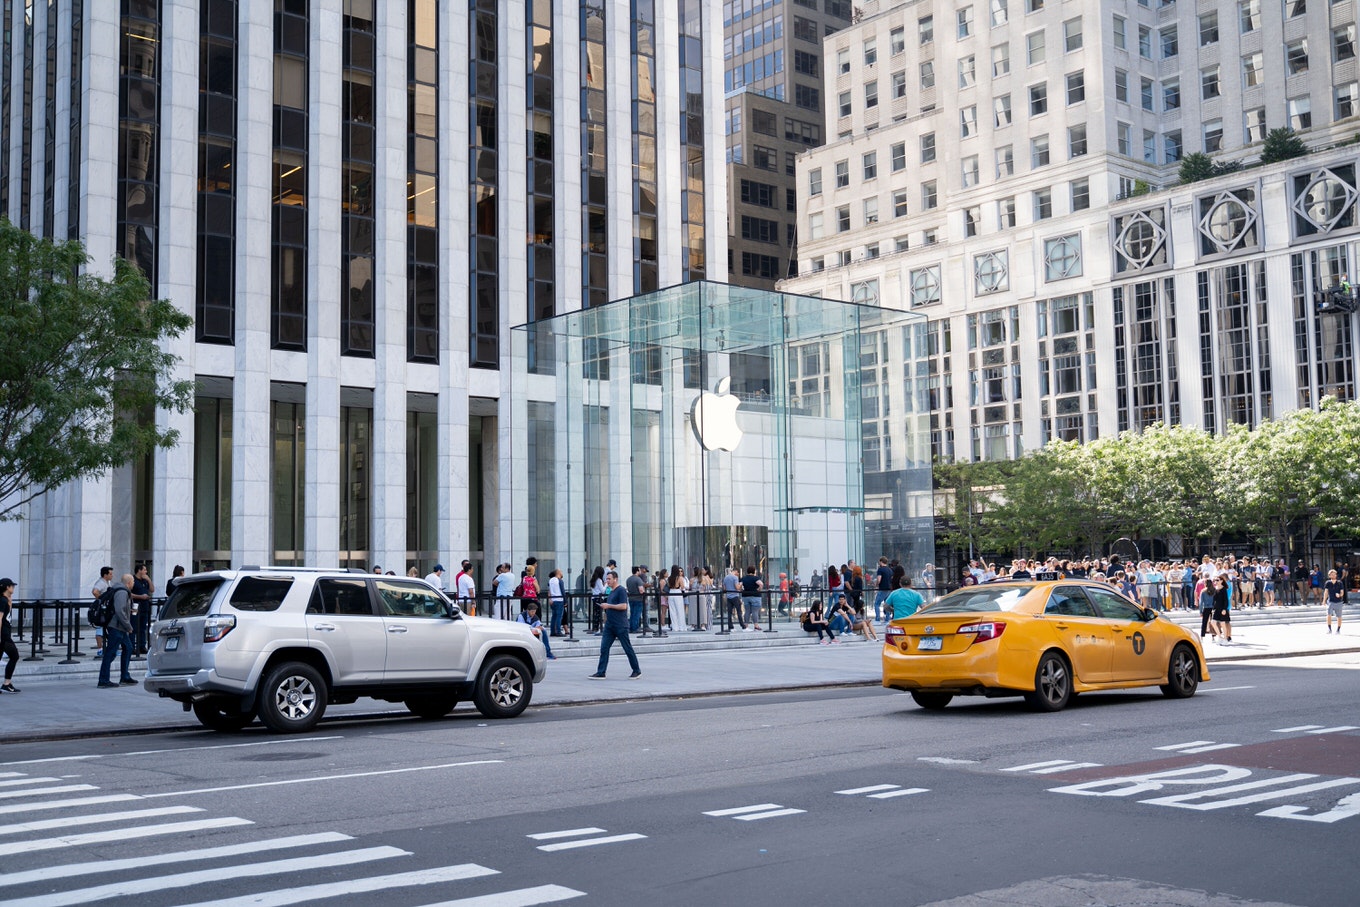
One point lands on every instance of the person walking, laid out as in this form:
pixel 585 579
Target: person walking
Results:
pixel 7 646
pixel 1204 596
pixel 118 638
pixel 1334 593
pixel 883 587
pixel 1222 609
pixel 615 627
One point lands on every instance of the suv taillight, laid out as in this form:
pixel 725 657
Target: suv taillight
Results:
pixel 984 631
pixel 217 626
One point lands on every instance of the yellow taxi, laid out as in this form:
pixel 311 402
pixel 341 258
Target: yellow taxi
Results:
pixel 1046 639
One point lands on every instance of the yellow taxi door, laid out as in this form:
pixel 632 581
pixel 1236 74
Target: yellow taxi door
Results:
pixel 1084 635
pixel 1138 651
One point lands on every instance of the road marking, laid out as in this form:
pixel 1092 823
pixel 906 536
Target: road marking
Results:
pixel 1226 689
pixel 284 896
pixel 1071 766
pixel 19 782
pixel 1335 730
pixel 96 819
pixel 589 842
pixel 1183 801
pixel 11 774
pixel 719 813
pixel 102 837
pixel 523 897
pixel 899 793
pixel 63 804
pixel 865 790
pixel 569 833
pixel 1292 730
pixel 390 771
pixel 945 760
pixel 62 789
pixel 182 749
pixel 94 867
pixel 137 887
pixel 1198 746
pixel 1033 765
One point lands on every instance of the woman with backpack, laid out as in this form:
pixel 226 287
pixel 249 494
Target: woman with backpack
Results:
pixel 814 622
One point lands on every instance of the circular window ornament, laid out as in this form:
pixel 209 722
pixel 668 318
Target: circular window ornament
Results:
pixel 865 293
pixel 1063 257
pixel 990 271
pixel 1141 240
pixel 1325 200
pixel 1228 222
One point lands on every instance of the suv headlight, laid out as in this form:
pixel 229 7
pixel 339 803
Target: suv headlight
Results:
pixel 218 626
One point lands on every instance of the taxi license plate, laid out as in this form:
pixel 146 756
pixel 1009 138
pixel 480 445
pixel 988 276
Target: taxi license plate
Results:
pixel 930 643
pixel 172 644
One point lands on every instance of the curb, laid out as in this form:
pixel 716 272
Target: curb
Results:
pixel 1304 654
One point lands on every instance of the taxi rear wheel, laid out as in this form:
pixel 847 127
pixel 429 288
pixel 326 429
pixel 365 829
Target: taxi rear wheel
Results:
pixel 1052 684
pixel 932 701
pixel 1182 675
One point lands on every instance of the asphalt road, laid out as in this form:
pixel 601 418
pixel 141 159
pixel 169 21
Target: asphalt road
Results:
pixel 1250 790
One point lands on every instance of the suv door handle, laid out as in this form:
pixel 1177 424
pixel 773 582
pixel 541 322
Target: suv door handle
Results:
pixel 396 629
pixel 325 628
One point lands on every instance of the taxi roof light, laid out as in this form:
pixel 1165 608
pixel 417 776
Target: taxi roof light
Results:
pixel 986 630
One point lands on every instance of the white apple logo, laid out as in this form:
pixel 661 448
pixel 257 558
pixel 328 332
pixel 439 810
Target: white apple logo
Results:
pixel 714 417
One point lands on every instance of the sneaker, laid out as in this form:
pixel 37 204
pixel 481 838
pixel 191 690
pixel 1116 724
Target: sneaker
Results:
pixel 597 676
pixel 824 642
pixel 108 686
pixel 835 642
pixel 10 688
pixel 635 675
pixel 552 658
pixel 128 682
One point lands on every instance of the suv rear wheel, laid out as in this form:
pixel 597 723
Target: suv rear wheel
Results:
pixel 222 715
pixel 292 698
pixel 504 687
pixel 432 705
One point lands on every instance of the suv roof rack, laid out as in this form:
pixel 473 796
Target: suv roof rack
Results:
pixel 284 569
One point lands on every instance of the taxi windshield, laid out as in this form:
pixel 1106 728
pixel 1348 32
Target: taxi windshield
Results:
pixel 979 598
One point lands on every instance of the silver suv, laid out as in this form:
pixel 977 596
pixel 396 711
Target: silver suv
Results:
pixel 282 643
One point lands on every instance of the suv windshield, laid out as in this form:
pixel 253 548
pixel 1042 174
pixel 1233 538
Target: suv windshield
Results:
pixel 191 598
pixel 980 598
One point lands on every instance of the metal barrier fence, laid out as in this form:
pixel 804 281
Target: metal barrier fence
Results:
pixel 49 628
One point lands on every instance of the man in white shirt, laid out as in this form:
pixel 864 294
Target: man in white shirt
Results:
pixel 436 578
pixel 466 587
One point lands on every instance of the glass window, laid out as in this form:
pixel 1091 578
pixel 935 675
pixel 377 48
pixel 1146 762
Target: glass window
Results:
pixel 1249 15
pixel 870 52
pixel 842 174
pixel 1080 191
pixel 1149 146
pixel 1147 94
pixel 815 226
pixel 843 103
pixel 1145 42
pixel 1114 606
pixel 967 71
pixel 925 286
pixel 1001 59
pixel 815 181
pixel 1254 125
pixel 897 40
pixel 1038 99
pixel 970 171
pixel 1171 43
pixel 1034 48
pixel 1173 145
pixel 341 596
pixel 968 121
pixel 1062 257
pixel 871 210
pixel 1347 100
pixel 1171 94
pixel 927 75
pixel 1072 35
pixel 898 152
pixel 965 20
pixel 870 95
pixel 925 29
pixel 1002 109
pixel 1043 204
pixel 399 598
pixel 1076 88
pixel 1208 83
pixel 1121 86
pixel 900 203
pixel 1121 36
pixel 843 219
pixel 869 161
pixel 1300 113
pixel 927 147
pixel 1068 601
pixel 1295 8
pixel 1038 151
pixel 929 196
pixel 1296 56
pixel 1076 140
pixel 1123 139
pixel 1005 161
pixel 843 61
pixel 1005 212
pixel 1000 12
pixel 898 84
pixel 1343 42
pixel 1213 136
pixel 1208 29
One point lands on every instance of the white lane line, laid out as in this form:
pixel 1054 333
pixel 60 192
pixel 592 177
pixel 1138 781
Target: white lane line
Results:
pixel 390 771
pixel 866 790
pixel 1070 767
pixel 1292 730
pixel 94 867
pixel 945 760
pixel 569 833
pixel 769 815
pixel 1033 765
pixel 102 837
pixel 63 804
pixel 1335 730
pixel 22 781
pixel 1226 689
pixel 182 749
pixel 742 809
pixel 96 819
pixel 284 896
pixel 133 887
pixel 589 842
pixel 522 897
pixel 1212 747
pixel 899 793
pixel 11 774
pixel 1181 746
pixel 61 789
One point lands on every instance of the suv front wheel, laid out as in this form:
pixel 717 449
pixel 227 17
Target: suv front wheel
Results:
pixel 504 687
pixel 292 698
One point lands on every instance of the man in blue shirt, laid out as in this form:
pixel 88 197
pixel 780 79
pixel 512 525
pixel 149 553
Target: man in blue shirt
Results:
pixel 615 610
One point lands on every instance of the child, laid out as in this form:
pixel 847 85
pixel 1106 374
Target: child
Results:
pixel 530 616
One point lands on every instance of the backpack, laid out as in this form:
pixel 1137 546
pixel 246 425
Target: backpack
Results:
pixel 101 611
pixel 806 620
pixel 519 591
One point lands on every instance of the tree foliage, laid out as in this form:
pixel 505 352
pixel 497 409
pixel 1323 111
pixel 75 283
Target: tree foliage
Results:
pixel 1196 166
pixel 1168 481
pixel 1281 145
pixel 83 366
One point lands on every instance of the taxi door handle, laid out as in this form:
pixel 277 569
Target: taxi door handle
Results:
pixel 396 629
pixel 324 628
pixel 1061 626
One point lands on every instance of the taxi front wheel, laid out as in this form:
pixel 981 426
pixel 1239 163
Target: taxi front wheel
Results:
pixel 1052 684
pixel 1182 674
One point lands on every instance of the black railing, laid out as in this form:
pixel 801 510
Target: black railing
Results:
pixel 53 627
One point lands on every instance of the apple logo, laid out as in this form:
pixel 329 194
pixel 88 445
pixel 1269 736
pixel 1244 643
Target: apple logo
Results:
pixel 714 417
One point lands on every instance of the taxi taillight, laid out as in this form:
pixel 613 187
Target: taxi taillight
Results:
pixel 896 636
pixel 984 631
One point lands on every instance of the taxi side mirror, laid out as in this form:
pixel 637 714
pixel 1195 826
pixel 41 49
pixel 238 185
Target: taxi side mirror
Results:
pixel 1149 615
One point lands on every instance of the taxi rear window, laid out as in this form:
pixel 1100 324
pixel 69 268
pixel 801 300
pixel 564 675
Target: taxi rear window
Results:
pixel 191 598
pixel 980 598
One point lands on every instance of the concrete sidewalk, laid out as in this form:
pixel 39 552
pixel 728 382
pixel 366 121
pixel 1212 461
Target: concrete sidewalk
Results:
pixel 67 704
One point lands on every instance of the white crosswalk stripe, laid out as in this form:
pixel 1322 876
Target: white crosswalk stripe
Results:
pixel 753 813
pixel 1198 746
pixel 1295 730
pixel 64 804
pixel 96 819
pixel 99 837
pixel 19 782
pixel 524 897
pixel 302 894
pixel 1335 730
pixel 43 791
pixel 590 842
pixel 1051 767
pixel 883 791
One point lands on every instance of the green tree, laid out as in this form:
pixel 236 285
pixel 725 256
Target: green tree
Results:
pixel 1330 437
pixel 1281 145
pixel 1196 166
pixel 83 362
